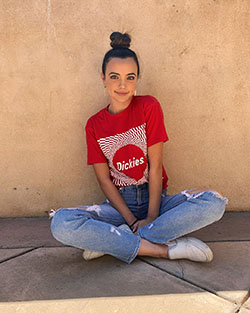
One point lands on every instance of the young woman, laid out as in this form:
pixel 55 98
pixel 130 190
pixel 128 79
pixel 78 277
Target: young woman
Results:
pixel 125 143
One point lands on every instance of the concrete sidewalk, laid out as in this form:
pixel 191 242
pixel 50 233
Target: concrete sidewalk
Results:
pixel 38 274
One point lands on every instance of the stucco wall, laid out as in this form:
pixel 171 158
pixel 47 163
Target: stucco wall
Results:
pixel 195 59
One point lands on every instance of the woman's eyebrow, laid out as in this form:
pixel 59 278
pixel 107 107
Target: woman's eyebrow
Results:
pixel 114 73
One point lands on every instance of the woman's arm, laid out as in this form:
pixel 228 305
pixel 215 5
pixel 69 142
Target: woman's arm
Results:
pixel 155 179
pixel 111 192
pixel 155 184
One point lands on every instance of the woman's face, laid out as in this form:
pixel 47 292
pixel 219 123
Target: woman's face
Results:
pixel 120 80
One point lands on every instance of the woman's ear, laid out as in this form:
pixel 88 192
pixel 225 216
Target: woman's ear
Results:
pixel 103 78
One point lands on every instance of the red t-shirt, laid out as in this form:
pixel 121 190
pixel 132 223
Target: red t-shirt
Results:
pixel 122 140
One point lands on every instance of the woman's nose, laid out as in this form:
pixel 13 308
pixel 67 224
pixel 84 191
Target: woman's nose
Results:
pixel 122 83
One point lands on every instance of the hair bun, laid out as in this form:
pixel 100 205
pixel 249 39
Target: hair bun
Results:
pixel 119 40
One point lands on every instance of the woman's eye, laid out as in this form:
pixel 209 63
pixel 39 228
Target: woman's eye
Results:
pixel 131 77
pixel 113 77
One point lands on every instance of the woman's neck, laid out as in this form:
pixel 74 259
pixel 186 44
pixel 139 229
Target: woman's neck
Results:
pixel 115 108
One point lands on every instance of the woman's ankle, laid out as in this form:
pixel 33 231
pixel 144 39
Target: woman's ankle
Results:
pixel 155 250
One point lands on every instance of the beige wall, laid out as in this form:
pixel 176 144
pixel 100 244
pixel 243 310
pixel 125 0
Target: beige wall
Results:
pixel 195 59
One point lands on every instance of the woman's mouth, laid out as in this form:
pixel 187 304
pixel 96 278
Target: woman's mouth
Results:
pixel 120 93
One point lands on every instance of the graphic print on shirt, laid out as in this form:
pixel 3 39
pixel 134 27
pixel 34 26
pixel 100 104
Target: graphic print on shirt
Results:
pixel 126 154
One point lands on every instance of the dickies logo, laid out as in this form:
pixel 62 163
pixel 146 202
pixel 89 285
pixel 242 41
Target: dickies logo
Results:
pixel 131 161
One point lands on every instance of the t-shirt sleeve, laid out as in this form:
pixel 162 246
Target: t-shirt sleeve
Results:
pixel 155 127
pixel 95 154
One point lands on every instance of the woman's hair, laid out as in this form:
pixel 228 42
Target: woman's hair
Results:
pixel 120 44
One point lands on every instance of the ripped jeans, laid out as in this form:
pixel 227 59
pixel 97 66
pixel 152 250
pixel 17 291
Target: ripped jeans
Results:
pixel 95 227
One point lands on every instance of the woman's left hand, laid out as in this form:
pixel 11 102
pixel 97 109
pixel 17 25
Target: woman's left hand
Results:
pixel 141 223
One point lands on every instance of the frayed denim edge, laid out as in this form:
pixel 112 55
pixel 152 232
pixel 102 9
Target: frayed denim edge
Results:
pixel 133 256
pixel 196 195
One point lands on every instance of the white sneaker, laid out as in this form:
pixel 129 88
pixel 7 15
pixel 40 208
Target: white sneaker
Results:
pixel 189 248
pixel 89 254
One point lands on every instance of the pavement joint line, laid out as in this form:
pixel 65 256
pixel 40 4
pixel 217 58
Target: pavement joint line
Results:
pixel 176 276
pixel 182 269
pixel 27 247
pixel 190 282
pixel 17 255
pixel 237 309
pixel 240 305
pixel 246 298
pixel 63 246
pixel 231 240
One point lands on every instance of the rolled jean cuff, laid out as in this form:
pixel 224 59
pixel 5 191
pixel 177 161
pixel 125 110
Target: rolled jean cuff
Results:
pixel 134 254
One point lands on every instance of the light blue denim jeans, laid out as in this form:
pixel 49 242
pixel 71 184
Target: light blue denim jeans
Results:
pixel 95 227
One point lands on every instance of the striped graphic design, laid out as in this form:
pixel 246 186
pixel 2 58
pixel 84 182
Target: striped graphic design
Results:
pixel 110 145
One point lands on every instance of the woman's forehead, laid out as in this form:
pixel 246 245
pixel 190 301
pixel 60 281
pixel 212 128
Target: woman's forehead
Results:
pixel 119 64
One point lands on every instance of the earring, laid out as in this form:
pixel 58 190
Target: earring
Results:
pixel 135 93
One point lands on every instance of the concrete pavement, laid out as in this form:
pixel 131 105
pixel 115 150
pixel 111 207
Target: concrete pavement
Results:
pixel 38 274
